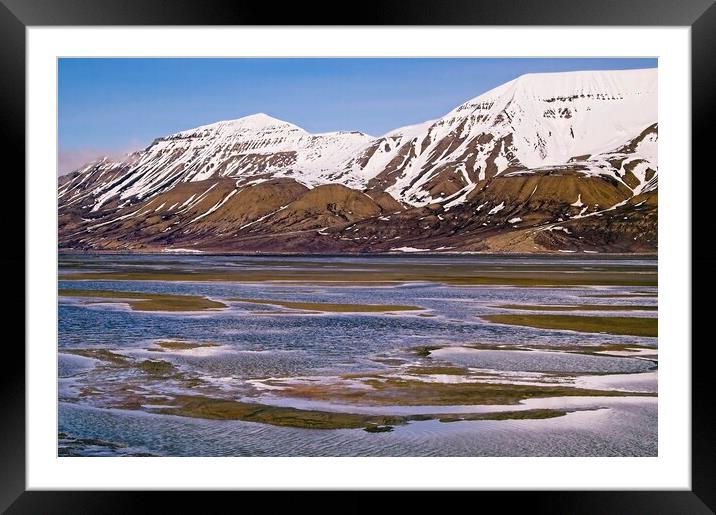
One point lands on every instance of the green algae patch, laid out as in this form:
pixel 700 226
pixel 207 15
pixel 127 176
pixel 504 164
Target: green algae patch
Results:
pixel 331 307
pixel 387 275
pixel 631 326
pixel 427 393
pixel 378 429
pixel 141 301
pixel 376 374
pixel 223 409
pixel 153 367
pixel 576 307
pixel 529 414
pixel 101 355
pixel 425 350
pixel 408 392
pixel 178 345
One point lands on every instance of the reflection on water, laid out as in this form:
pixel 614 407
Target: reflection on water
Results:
pixel 254 344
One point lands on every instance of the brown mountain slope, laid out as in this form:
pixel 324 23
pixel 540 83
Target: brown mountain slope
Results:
pixel 190 213
pixel 546 211
pixel 322 207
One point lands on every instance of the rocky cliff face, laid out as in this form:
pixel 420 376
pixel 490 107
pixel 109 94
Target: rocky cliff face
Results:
pixel 546 162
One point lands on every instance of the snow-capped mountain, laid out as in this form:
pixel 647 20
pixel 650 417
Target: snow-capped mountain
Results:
pixel 584 142
pixel 533 121
pixel 249 149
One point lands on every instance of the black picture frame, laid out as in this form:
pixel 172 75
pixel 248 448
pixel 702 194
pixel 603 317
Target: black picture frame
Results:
pixel 699 15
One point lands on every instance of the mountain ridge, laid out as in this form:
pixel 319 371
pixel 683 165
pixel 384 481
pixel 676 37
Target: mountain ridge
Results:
pixel 584 143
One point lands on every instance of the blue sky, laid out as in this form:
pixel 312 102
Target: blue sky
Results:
pixel 111 106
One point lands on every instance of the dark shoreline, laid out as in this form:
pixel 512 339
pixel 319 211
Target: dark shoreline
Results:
pixel 508 255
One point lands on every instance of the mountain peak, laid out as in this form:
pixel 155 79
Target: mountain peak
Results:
pixel 260 120
pixel 257 121
pixel 605 82
pixel 600 83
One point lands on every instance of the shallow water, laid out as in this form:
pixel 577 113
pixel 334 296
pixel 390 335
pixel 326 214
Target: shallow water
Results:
pixel 538 361
pixel 258 342
pixel 623 429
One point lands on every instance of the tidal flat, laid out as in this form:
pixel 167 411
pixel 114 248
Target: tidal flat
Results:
pixel 330 307
pixel 579 307
pixel 142 301
pixel 377 353
pixel 589 324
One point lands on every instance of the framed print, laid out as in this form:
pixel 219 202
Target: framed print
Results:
pixel 428 255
